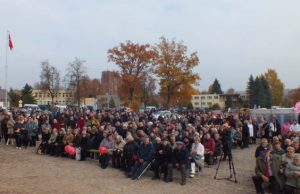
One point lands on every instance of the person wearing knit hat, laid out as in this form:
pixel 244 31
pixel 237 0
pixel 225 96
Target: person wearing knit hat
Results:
pixel 159 158
pixel 181 159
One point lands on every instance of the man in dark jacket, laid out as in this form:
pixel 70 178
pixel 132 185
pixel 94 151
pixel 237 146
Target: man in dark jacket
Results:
pixel 4 128
pixel 245 134
pixel 145 156
pixel 163 160
pixel 267 172
pixel 181 160
pixel 129 154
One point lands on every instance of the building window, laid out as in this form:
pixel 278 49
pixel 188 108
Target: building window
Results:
pixel 209 97
pixel 202 97
pixel 196 97
pixel 216 97
pixel 209 103
pixel 197 103
pixel 63 94
pixel 203 103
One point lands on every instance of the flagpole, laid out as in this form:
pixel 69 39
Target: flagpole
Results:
pixel 7 32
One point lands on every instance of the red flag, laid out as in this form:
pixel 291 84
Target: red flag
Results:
pixel 10 44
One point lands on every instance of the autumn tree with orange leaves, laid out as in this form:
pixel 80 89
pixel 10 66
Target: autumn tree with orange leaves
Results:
pixel 276 86
pixel 90 88
pixel 134 61
pixel 174 68
pixel 292 98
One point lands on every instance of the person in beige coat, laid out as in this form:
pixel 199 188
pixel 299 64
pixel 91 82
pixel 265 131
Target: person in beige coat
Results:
pixel 292 173
pixel 10 129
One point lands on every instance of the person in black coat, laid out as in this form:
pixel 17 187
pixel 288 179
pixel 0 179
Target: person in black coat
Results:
pixel 84 144
pixel 129 154
pixel 45 138
pixel 181 160
pixel 245 134
pixel 265 128
pixel 4 128
pixel 163 160
pixel 18 127
pixel 59 143
pixel 145 156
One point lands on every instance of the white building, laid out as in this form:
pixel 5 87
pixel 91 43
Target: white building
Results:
pixel 63 97
pixel 207 100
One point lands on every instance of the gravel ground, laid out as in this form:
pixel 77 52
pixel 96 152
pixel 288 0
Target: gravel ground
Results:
pixel 24 172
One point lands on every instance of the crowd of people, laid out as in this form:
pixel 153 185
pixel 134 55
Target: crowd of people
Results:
pixel 277 167
pixel 134 142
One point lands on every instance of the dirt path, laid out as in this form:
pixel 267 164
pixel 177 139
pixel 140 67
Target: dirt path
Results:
pixel 24 172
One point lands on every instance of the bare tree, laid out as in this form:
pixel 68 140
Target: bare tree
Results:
pixel 50 80
pixel 76 72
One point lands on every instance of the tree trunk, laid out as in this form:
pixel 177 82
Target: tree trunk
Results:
pixel 78 93
pixel 52 101
pixel 131 92
pixel 168 97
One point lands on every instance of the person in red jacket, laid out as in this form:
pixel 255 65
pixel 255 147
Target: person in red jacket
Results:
pixel 209 146
pixel 55 124
pixel 80 122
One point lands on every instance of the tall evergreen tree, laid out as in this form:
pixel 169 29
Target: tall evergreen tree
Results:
pixel 215 88
pixel 250 91
pixel 259 92
pixel 266 95
pixel 27 96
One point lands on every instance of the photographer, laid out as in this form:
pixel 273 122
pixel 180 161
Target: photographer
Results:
pixel 226 140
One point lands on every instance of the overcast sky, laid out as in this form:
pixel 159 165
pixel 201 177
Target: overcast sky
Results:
pixel 233 38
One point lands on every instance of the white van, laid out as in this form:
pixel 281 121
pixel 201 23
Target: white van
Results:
pixel 31 106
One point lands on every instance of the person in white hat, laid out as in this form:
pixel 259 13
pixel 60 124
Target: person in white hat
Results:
pixel 197 157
